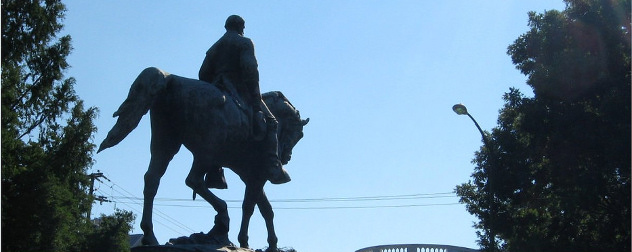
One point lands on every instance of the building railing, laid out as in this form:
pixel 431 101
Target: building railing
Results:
pixel 416 248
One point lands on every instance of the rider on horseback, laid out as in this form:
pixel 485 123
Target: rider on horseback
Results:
pixel 231 64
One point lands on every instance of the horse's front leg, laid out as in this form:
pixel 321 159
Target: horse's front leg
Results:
pixel 254 190
pixel 268 215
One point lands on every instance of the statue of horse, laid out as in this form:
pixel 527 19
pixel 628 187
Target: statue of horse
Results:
pixel 214 128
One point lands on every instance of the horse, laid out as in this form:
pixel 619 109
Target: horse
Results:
pixel 215 128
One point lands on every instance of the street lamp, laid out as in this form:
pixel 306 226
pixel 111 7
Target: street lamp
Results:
pixel 460 109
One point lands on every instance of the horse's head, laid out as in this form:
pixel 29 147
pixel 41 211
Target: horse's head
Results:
pixel 290 129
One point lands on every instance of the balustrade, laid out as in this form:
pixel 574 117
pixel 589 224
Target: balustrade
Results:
pixel 416 248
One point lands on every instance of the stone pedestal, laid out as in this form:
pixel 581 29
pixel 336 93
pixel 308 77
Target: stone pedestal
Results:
pixel 200 242
pixel 189 248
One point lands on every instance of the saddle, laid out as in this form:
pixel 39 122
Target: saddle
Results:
pixel 256 118
pixel 214 177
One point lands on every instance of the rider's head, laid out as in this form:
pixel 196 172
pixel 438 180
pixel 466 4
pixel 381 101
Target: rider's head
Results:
pixel 235 23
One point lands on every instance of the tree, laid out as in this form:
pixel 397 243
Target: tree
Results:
pixel 111 233
pixel 556 173
pixel 46 133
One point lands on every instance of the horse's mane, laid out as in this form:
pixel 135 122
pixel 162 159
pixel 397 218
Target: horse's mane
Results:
pixel 275 99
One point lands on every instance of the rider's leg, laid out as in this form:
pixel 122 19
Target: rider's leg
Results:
pixel 275 171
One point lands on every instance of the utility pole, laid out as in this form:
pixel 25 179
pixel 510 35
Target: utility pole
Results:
pixel 93 177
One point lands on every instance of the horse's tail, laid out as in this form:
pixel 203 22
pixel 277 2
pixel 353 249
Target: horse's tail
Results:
pixel 141 95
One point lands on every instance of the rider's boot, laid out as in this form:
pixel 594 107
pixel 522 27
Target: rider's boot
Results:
pixel 214 178
pixel 274 169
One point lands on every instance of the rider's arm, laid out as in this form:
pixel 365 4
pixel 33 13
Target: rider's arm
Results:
pixel 249 66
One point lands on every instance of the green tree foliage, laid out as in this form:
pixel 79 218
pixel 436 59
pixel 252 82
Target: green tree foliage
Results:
pixel 46 133
pixel 111 233
pixel 556 173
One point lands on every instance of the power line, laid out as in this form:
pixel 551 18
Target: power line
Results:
pixel 159 213
pixel 157 221
pixel 366 207
pixel 402 197
pixel 329 199
pixel 328 207
pixel 129 198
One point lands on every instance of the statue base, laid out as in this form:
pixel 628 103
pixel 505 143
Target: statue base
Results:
pixel 200 242
pixel 189 248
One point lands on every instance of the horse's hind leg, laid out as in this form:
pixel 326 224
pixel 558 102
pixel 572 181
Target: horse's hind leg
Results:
pixel 195 180
pixel 161 155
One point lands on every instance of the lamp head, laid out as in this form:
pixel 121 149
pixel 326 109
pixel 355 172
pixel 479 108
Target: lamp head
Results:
pixel 459 109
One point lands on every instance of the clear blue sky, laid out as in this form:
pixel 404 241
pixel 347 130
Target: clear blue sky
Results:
pixel 378 80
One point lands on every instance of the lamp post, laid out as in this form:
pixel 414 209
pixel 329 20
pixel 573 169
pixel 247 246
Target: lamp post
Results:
pixel 460 109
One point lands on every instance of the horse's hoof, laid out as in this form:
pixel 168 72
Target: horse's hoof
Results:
pixel 272 249
pixel 221 240
pixel 149 240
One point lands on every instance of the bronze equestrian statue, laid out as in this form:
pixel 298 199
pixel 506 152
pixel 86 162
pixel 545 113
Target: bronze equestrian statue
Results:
pixel 226 123
pixel 216 131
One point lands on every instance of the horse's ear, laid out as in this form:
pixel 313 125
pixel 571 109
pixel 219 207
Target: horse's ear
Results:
pixel 304 122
